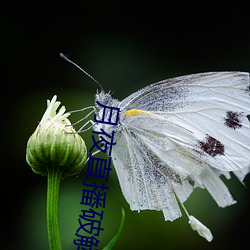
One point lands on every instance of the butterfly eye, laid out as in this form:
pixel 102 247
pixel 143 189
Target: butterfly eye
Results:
pixel 105 100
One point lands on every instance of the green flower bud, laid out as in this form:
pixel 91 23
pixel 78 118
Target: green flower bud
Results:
pixel 55 143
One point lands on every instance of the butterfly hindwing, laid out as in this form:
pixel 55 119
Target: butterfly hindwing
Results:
pixel 141 184
pixel 152 166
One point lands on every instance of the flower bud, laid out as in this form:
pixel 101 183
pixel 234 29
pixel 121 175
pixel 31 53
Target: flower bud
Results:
pixel 55 143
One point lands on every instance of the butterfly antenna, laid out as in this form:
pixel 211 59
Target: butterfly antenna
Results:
pixel 90 76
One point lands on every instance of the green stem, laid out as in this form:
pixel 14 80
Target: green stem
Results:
pixel 54 177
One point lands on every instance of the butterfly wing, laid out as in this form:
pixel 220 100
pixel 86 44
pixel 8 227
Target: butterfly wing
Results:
pixel 153 169
pixel 213 106
pixel 181 133
pixel 140 185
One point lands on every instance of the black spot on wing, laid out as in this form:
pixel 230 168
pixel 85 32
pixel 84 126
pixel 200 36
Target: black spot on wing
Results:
pixel 190 181
pixel 248 89
pixel 212 146
pixel 233 119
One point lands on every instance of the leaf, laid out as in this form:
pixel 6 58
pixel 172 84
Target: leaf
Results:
pixel 110 245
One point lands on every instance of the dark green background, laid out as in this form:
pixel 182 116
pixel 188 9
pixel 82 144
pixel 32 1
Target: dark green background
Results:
pixel 125 45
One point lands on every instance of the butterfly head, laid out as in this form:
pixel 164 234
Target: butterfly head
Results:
pixel 106 99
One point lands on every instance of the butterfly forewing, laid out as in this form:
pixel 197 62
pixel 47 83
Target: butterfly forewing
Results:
pixel 176 93
pixel 213 106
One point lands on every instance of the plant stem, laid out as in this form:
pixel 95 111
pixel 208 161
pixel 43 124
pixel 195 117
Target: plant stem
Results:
pixel 54 177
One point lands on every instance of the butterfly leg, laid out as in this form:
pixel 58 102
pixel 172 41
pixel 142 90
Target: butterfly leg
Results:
pixel 82 128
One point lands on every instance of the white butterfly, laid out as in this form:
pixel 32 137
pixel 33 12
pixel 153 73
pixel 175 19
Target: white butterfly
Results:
pixel 178 134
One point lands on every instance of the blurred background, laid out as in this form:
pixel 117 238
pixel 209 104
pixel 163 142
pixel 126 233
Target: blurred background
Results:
pixel 125 45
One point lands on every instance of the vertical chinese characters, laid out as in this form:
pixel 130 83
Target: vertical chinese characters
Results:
pixel 94 195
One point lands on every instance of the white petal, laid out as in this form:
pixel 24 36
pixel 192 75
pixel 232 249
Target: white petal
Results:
pixel 51 114
pixel 50 109
pixel 200 228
